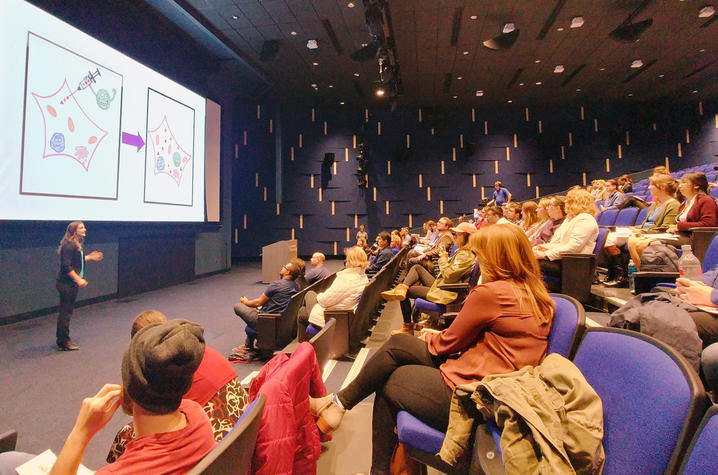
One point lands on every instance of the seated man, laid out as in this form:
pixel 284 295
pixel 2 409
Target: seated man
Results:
pixel 495 215
pixel 383 255
pixel 316 271
pixel 275 299
pixel 614 196
pixel 444 243
pixel 173 434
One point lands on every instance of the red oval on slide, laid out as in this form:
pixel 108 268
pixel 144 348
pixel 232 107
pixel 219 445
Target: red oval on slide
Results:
pixel 70 124
pixel 92 139
pixel 51 110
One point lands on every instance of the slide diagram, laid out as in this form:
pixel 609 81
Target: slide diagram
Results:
pixel 71 130
pixel 169 154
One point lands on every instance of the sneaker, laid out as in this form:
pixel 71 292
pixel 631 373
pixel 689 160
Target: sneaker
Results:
pixel 329 414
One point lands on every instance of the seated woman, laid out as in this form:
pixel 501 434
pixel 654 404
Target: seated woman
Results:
pixel 697 210
pixel 344 292
pixel 577 234
pixel 420 283
pixel 661 214
pixel 503 326
pixel 215 387
pixel 556 211
pixel 531 221
pixel 396 242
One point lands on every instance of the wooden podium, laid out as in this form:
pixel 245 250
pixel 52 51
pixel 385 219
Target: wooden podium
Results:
pixel 274 256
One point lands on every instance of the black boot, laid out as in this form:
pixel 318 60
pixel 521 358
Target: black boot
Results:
pixel 612 269
pixel 621 270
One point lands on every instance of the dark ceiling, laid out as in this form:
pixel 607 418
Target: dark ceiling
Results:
pixel 679 53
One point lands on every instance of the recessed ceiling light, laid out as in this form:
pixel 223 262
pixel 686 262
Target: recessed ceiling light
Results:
pixel 293 33
pixel 508 28
pixel 577 22
pixel 356 75
pixel 661 75
pixel 706 12
pixel 473 17
pixel 602 69
pixel 558 69
pixel 538 83
pixel 630 94
pixel 314 85
pixel 312 44
pixel 350 4
pixel 458 96
pixel 509 101
pixel 537 61
pixel 578 89
pixel 636 63
pixel 341 103
pixel 315 63
pixel 331 85
pixel 560 28
pixel 363 45
pixel 521 84
pixel 702 50
pixel 479 93
pixel 466 52
pixel 459 77
pixel 235 17
pixel 379 92
pixel 695 91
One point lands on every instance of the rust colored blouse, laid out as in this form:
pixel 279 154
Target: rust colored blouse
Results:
pixel 495 332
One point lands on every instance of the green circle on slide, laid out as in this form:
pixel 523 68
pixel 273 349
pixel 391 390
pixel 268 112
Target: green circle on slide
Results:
pixel 176 159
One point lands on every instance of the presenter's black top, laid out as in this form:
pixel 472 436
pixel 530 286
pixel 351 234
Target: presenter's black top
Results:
pixel 71 258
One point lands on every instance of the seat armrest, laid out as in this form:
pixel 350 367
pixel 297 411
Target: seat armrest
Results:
pixel 645 281
pixel 267 330
pixel 455 287
pixel 576 255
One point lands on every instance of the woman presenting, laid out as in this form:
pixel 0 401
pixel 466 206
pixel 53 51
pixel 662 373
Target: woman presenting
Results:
pixel 70 278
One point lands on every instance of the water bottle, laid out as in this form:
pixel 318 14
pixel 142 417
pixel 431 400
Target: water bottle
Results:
pixel 631 271
pixel 688 265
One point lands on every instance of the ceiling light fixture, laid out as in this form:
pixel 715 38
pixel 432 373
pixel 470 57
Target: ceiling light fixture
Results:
pixel 538 83
pixel 459 77
pixel 578 89
pixel 630 94
pixel 695 91
pixel 351 5
pixel 466 52
pixel 630 32
pixel 293 33
pixel 661 75
pixel 521 84
pixel 560 28
pixel 509 101
pixel 458 96
pixel 479 93
pixel 331 86
pixel 601 69
pixel 508 28
pixel 473 17
pixel 312 44
pixel 341 103
pixel 235 17
pixel 379 92
pixel 558 69
pixel 706 12
pixel 537 61
pixel 356 75
pixel 315 63
pixel 636 63
pixel 577 22
pixel 504 40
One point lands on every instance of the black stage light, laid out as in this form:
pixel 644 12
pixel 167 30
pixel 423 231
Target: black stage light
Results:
pixel 630 32
pixel 503 40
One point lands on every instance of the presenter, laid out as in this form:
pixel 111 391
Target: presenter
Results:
pixel 70 278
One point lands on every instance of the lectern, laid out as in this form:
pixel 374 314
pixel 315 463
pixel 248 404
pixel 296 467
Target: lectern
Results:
pixel 274 256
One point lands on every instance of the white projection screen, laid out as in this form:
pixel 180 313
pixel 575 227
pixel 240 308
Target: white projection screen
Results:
pixel 88 133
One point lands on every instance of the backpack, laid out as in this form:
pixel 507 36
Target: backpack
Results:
pixel 659 258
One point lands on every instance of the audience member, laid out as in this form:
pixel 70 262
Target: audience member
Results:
pixel 512 212
pixel 431 234
pixel 172 434
pixel 443 242
pixel 420 283
pixel 531 221
pixel 317 271
pixel 275 299
pixel 577 233
pixel 495 215
pixel 625 184
pixel 383 255
pixel 344 292
pixel 362 234
pixel 501 195
pixel 503 326
pixel 556 211
pixel 407 240
pixel 215 387
pixel 614 196
pixel 396 242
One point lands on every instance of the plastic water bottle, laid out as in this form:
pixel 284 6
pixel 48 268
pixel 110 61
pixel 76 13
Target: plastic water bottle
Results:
pixel 688 265
pixel 631 271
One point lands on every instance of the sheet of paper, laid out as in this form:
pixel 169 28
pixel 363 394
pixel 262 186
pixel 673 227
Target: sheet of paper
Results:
pixel 41 464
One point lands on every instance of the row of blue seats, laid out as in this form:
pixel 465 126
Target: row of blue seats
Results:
pixel 624 217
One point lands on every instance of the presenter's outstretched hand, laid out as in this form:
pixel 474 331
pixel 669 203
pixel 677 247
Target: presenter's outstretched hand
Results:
pixel 94 256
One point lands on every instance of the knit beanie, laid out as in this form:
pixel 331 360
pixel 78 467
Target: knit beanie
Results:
pixel 159 364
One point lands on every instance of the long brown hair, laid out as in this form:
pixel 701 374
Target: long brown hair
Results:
pixel 71 236
pixel 147 318
pixel 504 253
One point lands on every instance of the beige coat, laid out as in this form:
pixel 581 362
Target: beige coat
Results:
pixel 451 270
pixel 552 404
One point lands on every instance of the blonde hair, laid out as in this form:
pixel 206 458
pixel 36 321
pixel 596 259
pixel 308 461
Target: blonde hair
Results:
pixel 579 201
pixel 356 257
pixel 504 253
pixel 147 318
pixel 665 183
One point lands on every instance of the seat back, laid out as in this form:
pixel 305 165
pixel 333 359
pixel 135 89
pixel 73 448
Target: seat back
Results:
pixel 607 217
pixel 234 452
pixel 652 399
pixel 642 214
pixel 322 342
pixel 626 217
pixel 701 455
pixel 711 258
pixel 600 240
pixel 569 322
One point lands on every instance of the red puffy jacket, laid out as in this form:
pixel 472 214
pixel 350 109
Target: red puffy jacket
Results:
pixel 288 439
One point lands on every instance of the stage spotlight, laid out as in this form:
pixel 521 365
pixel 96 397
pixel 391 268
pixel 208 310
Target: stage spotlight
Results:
pixel 365 53
pixel 630 32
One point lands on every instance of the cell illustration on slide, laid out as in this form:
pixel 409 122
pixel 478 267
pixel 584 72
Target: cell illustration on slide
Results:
pixel 71 133
pixel 169 155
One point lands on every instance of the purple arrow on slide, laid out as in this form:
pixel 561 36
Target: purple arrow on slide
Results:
pixel 134 140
